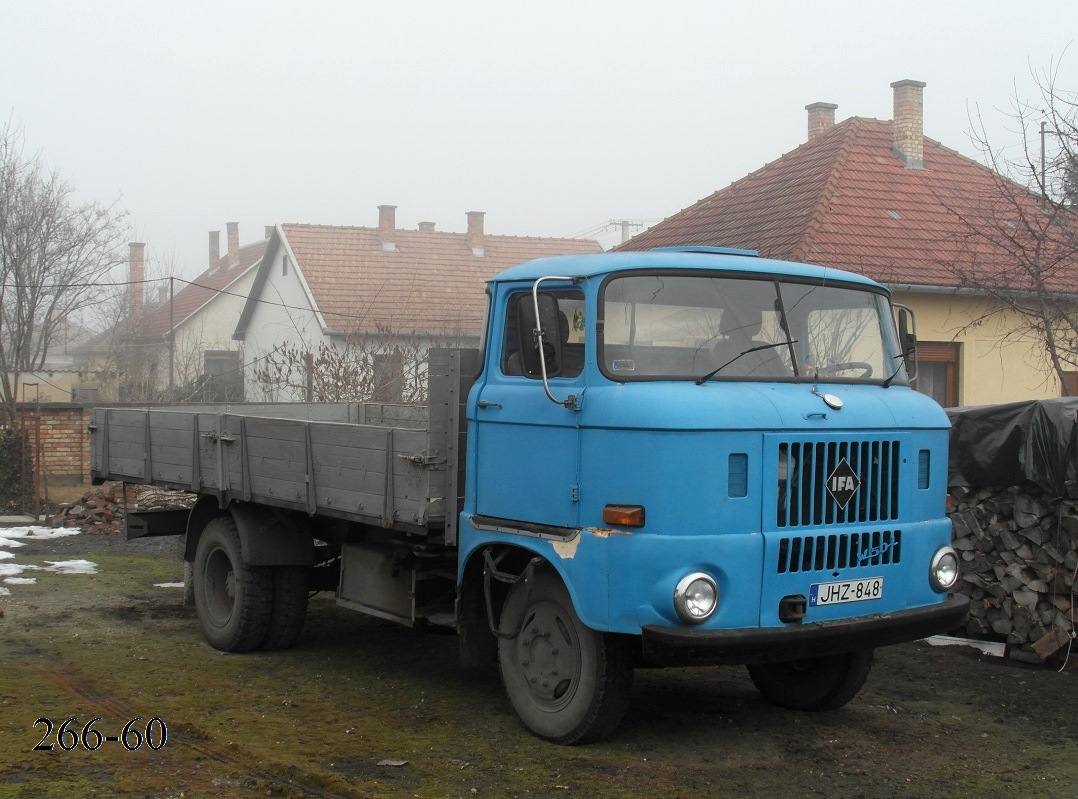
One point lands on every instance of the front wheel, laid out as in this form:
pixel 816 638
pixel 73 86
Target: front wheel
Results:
pixel 568 683
pixel 823 683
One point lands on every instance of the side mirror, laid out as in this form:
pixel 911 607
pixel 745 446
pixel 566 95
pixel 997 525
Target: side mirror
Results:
pixel 907 339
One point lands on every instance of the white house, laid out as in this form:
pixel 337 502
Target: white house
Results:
pixel 331 307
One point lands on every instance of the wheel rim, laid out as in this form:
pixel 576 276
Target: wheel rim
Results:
pixel 548 656
pixel 220 592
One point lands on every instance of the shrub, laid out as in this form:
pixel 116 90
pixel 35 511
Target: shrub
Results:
pixel 16 471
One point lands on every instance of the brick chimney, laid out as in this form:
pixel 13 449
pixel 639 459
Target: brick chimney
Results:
pixel 821 118
pixel 387 220
pixel 475 232
pixel 387 225
pixel 136 277
pixel 909 123
pixel 426 227
pixel 233 242
pixel 215 248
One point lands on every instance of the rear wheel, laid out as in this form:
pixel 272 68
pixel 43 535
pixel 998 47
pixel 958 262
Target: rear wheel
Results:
pixel 823 683
pixel 234 599
pixel 290 594
pixel 568 683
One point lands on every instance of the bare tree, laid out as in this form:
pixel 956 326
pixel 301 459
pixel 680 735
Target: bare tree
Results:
pixel 1020 237
pixel 381 365
pixel 54 256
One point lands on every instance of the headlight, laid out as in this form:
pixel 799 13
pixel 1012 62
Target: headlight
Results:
pixel 696 598
pixel 943 573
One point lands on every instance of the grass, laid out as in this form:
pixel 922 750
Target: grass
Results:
pixel 317 720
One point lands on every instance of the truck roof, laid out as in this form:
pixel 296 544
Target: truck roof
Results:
pixel 674 258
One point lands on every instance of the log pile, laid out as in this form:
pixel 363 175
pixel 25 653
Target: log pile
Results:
pixel 103 509
pixel 1019 559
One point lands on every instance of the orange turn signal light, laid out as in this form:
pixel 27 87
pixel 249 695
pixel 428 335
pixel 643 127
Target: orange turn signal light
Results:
pixel 624 515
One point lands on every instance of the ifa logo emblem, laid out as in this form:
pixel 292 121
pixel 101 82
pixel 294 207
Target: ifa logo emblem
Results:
pixel 842 483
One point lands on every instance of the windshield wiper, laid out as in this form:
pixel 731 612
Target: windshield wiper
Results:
pixel 888 381
pixel 701 380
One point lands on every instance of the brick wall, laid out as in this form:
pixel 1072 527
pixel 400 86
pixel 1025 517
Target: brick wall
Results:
pixel 65 441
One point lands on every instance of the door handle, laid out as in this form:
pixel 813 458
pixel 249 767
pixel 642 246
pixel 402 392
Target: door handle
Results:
pixel 485 404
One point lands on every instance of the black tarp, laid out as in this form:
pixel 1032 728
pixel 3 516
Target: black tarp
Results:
pixel 1005 445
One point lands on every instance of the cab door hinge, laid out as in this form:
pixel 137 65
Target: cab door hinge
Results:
pixel 574 492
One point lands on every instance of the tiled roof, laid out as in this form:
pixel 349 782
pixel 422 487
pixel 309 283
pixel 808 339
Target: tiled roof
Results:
pixel 845 199
pixel 432 282
pixel 190 297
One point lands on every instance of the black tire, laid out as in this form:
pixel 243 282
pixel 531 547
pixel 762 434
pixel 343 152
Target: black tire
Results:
pixel 290 584
pixel 823 683
pixel 568 683
pixel 234 599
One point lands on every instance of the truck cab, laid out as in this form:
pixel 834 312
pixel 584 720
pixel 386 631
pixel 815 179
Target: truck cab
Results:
pixel 697 456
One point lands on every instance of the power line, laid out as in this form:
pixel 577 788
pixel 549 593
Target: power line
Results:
pixel 225 292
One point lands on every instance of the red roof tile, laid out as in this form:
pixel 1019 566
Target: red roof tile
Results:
pixel 845 199
pixel 433 282
pixel 190 297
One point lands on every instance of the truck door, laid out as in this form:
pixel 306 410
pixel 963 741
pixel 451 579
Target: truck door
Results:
pixel 528 447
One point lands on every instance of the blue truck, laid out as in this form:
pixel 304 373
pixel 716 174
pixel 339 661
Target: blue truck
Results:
pixel 689 456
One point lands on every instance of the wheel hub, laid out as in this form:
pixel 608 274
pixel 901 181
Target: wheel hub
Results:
pixel 220 591
pixel 548 657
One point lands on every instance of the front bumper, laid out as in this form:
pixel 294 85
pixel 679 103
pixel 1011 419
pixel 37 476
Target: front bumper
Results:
pixel 686 646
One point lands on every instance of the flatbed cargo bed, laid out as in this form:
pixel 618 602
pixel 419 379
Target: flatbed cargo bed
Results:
pixel 395 470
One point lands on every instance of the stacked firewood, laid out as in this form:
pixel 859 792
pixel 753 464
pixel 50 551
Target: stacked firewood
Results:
pixel 103 509
pixel 1019 559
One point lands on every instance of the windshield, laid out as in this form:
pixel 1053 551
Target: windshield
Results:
pixel 662 327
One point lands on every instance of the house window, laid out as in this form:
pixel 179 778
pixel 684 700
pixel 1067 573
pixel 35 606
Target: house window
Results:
pixel 388 377
pixel 937 371
pixel 222 378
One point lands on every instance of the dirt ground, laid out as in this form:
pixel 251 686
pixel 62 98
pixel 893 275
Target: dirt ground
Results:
pixel 365 708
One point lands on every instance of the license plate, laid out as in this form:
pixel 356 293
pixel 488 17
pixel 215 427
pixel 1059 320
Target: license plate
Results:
pixel 846 591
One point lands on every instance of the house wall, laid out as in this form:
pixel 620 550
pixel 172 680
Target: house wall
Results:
pixel 272 325
pixel 209 328
pixel 994 366
pixel 44 386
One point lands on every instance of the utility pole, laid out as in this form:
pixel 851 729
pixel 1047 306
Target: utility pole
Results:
pixel 171 341
pixel 626 226
pixel 1044 185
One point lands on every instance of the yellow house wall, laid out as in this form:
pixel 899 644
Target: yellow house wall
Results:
pixel 43 386
pixel 994 365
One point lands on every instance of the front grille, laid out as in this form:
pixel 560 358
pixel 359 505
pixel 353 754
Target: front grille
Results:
pixel 805 466
pixel 848 550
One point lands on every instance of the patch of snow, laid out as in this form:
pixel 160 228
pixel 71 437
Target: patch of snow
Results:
pixel 10 542
pixel 5 591
pixel 72 566
pixel 20 580
pixel 168 585
pixel 993 648
pixel 40 533
pixel 14 568
pixel 5 555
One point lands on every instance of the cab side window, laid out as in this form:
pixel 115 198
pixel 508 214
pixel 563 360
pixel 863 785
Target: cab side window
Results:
pixel 519 354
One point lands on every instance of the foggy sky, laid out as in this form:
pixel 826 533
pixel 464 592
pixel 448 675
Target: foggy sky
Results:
pixel 552 117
